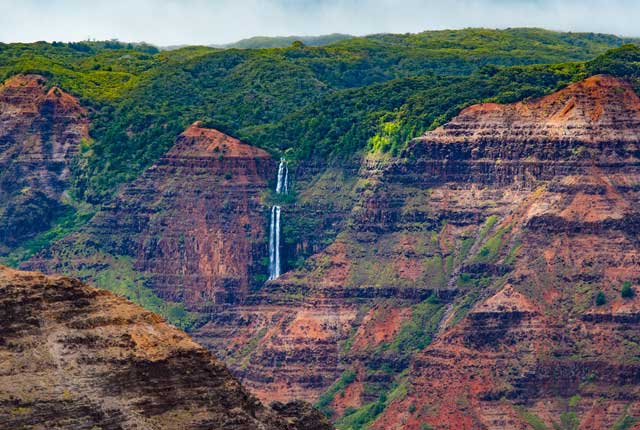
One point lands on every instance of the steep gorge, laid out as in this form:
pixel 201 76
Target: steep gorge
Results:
pixel 488 235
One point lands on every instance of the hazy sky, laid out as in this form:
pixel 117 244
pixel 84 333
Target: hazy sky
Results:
pixel 171 22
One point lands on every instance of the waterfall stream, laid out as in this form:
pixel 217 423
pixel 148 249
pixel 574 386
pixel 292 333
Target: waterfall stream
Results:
pixel 282 187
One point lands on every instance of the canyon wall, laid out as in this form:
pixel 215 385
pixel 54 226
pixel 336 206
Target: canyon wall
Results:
pixel 191 227
pixel 491 236
pixel 41 129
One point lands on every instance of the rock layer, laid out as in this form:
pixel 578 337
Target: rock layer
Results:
pixel 40 132
pixel 537 350
pixel 74 357
pixel 513 217
pixel 192 224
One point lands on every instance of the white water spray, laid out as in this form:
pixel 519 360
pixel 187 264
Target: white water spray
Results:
pixel 282 187
pixel 274 244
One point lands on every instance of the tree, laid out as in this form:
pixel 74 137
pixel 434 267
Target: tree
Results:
pixel 600 298
pixel 627 292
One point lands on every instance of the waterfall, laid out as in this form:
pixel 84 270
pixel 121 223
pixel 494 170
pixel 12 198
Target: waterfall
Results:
pixel 282 187
pixel 286 179
pixel 274 243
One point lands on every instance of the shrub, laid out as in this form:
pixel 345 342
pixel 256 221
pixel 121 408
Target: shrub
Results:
pixel 349 410
pixel 627 292
pixel 600 298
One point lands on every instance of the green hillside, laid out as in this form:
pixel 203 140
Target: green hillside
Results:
pixel 331 102
pixel 284 41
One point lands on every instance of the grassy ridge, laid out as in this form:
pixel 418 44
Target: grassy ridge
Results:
pixel 313 101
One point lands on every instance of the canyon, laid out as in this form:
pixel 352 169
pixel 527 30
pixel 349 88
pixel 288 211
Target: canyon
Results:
pixel 474 281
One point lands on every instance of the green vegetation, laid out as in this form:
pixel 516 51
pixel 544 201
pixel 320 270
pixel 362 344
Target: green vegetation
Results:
pixel 347 377
pixel 359 419
pixel 574 400
pixel 74 216
pixel 627 291
pixel 95 71
pixel 259 42
pixel 325 102
pixel 625 422
pixel 489 251
pixel 121 279
pixel 568 421
pixel 363 416
pixel 600 299
pixel 532 419
pixel 416 334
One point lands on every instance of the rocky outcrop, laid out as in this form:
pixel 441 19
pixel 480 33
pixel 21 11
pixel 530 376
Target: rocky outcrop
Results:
pixel 74 357
pixel 192 225
pixel 40 132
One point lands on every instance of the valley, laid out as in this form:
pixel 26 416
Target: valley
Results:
pixel 402 230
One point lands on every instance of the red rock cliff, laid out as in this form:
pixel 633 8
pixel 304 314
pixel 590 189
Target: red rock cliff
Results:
pixel 515 217
pixel 193 223
pixel 538 349
pixel 40 132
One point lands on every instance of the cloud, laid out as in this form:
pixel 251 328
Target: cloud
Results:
pixel 171 22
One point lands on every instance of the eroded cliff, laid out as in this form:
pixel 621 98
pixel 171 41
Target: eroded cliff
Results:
pixel 74 357
pixel 552 343
pixel 41 129
pixel 190 229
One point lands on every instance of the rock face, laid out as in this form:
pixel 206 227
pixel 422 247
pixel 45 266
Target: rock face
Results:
pixel 40 132
pixel 491 236
pixel 192 225
pixel 536 350
pixel 74 357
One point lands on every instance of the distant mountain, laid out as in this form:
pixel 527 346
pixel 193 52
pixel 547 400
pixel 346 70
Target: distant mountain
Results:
pixel 284 41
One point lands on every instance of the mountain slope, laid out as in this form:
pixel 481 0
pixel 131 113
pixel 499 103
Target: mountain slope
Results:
pixel 189 231
pixel 79 358
pixel 551 343
pixel 259 42
pixel 41 130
